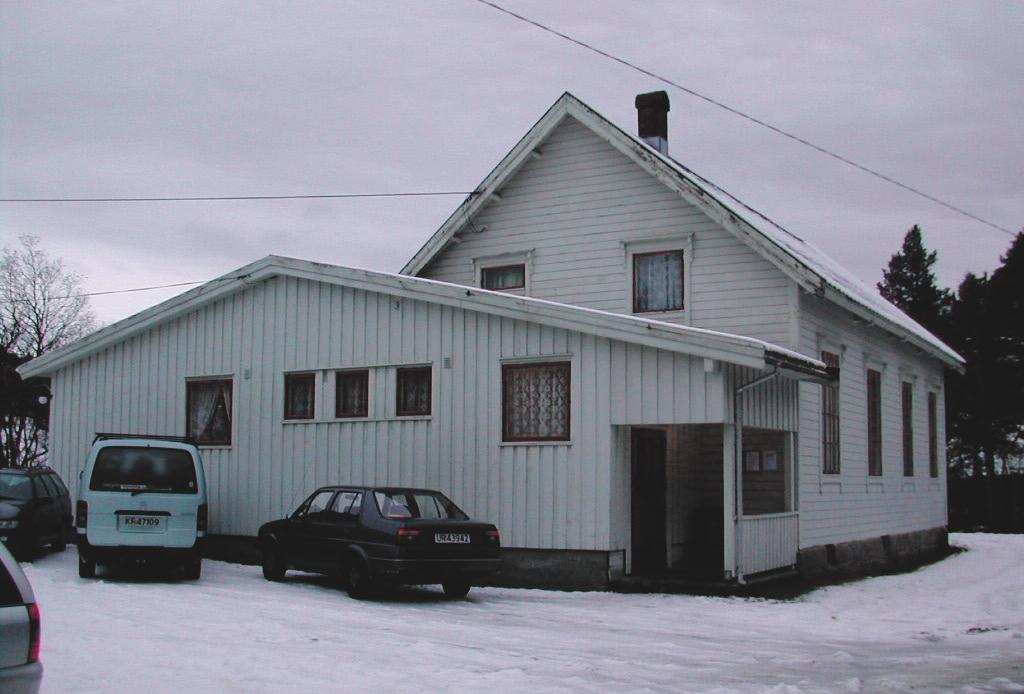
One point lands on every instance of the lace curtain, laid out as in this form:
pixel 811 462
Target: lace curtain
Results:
pixel 536 401
pixel 209 411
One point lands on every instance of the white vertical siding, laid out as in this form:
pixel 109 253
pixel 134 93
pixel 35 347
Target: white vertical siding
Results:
pixel 546 496
pixel 577 205
pixel 853 505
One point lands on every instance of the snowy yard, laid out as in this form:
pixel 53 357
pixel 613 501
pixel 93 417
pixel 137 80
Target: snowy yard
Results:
pixel 954 626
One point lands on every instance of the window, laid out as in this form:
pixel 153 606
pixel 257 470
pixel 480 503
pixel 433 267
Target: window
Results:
pixel 136 469
pixel 413 391
pixel 874 422
pixel 933 435
pixel 657 281
pixel 208 417
pixel 908 429
pixel 316 505
pixel 352 394
pixel 503 277
pixel 347 503
pixel 830 419
pixel 299 395
pixel 535 401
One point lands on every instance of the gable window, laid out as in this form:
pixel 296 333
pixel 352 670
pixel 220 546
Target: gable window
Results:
pixel 830 419
pixel 658 281
pixel 413 391
pixel 352 394
pixel 908 429
pixel 535 401
pixel 874 422
pixel 208 411
pixel 503 277
pixel 933 435
pixel 299 395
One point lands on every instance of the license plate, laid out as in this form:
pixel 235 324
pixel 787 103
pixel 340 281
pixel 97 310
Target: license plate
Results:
pixel 141 524
pixel 451 538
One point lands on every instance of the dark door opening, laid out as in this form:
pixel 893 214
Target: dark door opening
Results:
pixel 647 465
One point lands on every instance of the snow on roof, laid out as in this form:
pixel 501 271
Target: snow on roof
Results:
pixel 736 349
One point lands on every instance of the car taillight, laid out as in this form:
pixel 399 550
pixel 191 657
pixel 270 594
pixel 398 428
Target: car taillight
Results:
pixel 33 632
pixel 407 535
pixel 202 514
pixel 82 514
pixel 493 536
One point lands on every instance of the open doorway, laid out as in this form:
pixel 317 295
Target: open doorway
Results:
pixel 647 466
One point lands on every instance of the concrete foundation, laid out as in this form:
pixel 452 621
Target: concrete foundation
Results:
pixel 874 555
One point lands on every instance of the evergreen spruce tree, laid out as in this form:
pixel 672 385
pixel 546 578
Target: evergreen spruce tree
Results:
pixel 909 283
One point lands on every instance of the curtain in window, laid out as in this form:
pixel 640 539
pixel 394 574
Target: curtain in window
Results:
pixel 658 280
pixel 209 414
pixel 353 398
pixel 505 277
pixel 536 399
pixel 413 391
pixel 299 396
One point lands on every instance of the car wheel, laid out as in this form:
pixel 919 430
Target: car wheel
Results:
pixel 273 565
pixel 86 566
pixel 456 590
pixel 194 569
pixel 359 585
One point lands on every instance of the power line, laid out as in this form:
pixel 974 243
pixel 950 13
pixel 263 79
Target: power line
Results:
pixel 247 197
pixel 129 291
pixel 741 114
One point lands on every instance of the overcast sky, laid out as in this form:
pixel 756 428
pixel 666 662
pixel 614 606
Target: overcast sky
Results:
pixel 105 99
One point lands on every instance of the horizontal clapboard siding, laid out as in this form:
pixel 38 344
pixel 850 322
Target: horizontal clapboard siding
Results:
pixel 853 505
pixel 546 496
pixel 577 206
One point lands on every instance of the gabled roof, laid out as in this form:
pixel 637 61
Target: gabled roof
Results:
pixel 667 336
pixel 810 268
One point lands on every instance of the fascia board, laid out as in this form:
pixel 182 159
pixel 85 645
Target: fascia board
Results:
pixel 162 312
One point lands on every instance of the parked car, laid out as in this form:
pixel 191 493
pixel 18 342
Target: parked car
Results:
pixel 142 499
pixel 20 669
pixel 35 510
pixel 378 537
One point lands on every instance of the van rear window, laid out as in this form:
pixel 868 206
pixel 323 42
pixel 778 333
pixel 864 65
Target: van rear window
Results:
pixel 141 469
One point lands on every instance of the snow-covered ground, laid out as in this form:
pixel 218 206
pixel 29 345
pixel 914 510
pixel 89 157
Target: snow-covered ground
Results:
pixel 954 626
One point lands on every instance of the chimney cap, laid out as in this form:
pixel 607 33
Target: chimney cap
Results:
pixel 656 100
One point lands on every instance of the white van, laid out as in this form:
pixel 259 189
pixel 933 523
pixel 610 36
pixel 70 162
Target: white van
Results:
pixel 141 498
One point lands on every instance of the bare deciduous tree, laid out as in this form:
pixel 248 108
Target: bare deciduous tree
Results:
pixel 41 308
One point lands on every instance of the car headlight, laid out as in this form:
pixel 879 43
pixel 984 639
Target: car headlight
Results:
pixel 8 524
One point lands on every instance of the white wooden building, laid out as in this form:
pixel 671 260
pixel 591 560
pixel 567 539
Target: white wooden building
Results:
pixel 601 352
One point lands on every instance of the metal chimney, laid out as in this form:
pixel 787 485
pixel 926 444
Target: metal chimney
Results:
pixel 652 119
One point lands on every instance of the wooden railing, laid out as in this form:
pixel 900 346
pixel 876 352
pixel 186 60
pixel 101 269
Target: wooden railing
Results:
pixel 768 542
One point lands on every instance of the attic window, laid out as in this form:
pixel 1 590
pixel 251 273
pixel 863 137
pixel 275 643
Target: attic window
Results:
pixel 658 281
pixel 503 277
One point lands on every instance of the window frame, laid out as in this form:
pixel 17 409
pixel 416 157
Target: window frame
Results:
pixel 290 378
pixel 338 375
pixel 209 380
pixel 633 256
pixel 933 434
pixel 831 460
pixel 907 411
pixel 488 262
pixel 511 366
pixel 873 401
pixel 399 371
pixel 484 269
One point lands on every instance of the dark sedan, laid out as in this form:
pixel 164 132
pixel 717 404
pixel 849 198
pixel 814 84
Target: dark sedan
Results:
pixel 376 537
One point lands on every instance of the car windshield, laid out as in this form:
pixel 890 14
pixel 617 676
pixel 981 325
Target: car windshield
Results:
pixel 142 469
pixel 15 486
pixel 409 504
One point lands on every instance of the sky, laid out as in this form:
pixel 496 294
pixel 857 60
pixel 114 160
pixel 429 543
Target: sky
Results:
pixel 153 99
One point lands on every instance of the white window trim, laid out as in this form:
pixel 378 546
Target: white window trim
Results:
pixel 574 376
pixel 512 258
pixel 234 399
pixel 662 244
pixel 317 394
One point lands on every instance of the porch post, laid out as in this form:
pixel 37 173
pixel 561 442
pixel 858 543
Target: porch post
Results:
pixel 729 499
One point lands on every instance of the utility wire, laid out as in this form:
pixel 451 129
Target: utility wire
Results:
pixel 247 197
pixel 741 114
pixel 129 291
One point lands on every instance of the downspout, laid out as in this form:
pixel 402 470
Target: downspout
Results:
pixel 737 406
